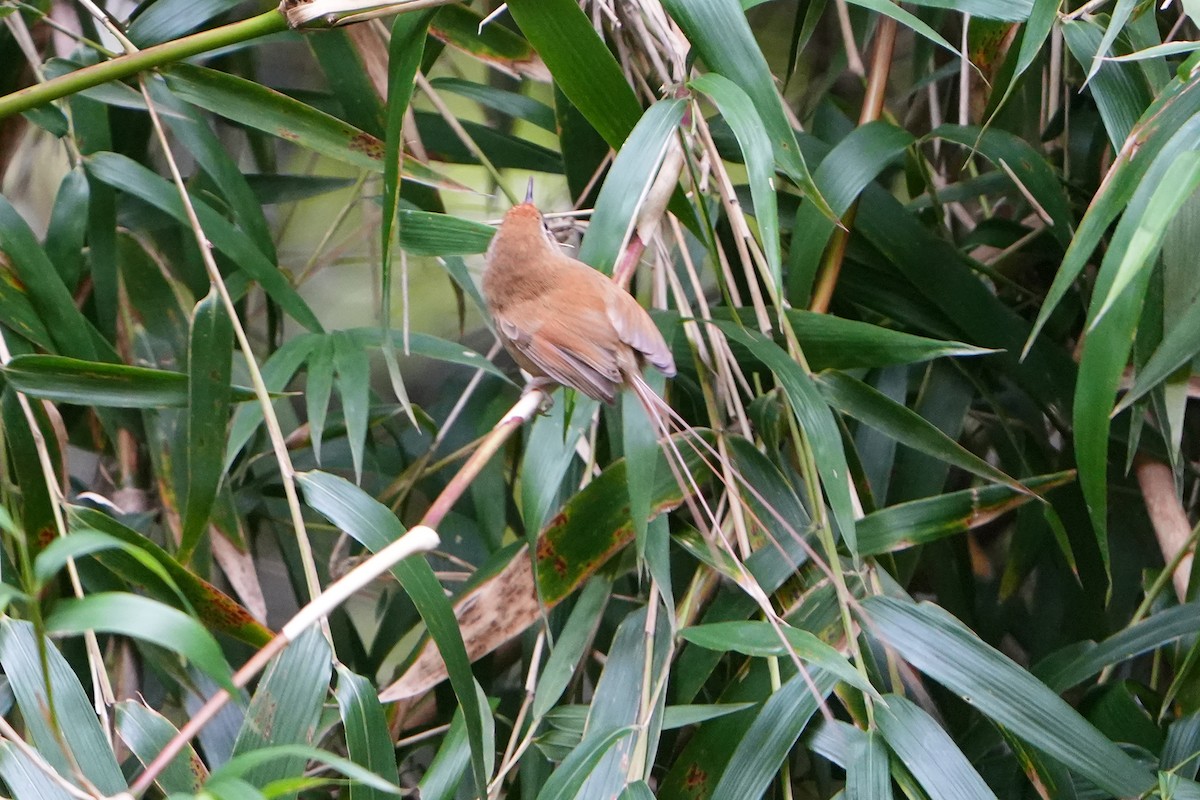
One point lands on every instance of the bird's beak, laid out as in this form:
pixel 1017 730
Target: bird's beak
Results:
pixel 529 191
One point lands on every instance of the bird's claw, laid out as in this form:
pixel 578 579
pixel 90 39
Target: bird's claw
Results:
pixel 545 386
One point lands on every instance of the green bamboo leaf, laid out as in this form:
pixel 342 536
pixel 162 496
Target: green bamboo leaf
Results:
pixel 425 233
pixel 576 767
pixel 549 455
pixel 17 311
pixel 505 150
pixel 1007 10
pixel 170 19
pixel 155 300
pixel 639 446
pixel 1121 94
pixel 277 189
pixel 594 524
pixel 146 733
pixel 617 704
pixel 1176 108
pixel 441 780
pixel 871 407
pixel 85 542
pixel 427 346
pixel 928 752
pixel 276 373
pixel 684 716
pixel 283 711
pixel 145 619
pixel 67 230
pixel 1013 154
pixel 841 177
pixel 317 391
pixel 210 354
pixel 1064 670
pixel 511 104
pixel 259 761
pixel 1177 348
pixel 368 740
pixel 1108 338
pixel 908 20
pixel 867 773
pixel 25 779
pixel 1120 15
pixel 202 143
pixel 831 342
pixel 37 279
pixel 950 653
pixel 94 383
pixel 1037 30
pixel 354 386
pixel 569 647
pixel 591 527
pixel 783 717
pixel 638 790
pixel 816 420
pixel 581 64
pixel 1158 51
pixel 1179 182
pixel 496 45
pixel 258 107
pixel 405 50
pixel 214 608
pixel 721 36
pixel 739 112
pixel 1183 740
pixel 936 270
pixel 349 79
pixel 760 639
pixel 916 522
pixel 58 714
pixel 632 173
pixel 128 176
pixel 374 526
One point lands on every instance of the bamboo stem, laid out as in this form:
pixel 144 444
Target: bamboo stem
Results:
pixel 124 66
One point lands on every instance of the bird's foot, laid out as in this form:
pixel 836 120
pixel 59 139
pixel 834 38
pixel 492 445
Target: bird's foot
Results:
pixel 545 386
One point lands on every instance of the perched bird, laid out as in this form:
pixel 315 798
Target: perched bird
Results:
pixel 562 321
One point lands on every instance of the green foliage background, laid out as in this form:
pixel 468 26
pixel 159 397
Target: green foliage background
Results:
pixel 928 271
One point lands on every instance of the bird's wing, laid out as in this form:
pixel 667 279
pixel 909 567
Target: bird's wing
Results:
pixel 634 327
pixel 560 352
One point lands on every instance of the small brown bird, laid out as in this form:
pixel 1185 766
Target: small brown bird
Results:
pixel 561 320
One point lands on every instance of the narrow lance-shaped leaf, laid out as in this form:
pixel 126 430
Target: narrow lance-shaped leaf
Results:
pixel 128 176
pixel 93 383
pixel 210 354
pixel 928 752
pixel 581 64
pixel 815 419
pixel 145 619
pixel 632 173
pixel 739 112
pixel 367 737
pixel 722 37
pixel 405 49
pixel 946 650
pixel 374 526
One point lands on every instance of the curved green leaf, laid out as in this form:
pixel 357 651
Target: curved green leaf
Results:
pixel 946 650
pixel 145 619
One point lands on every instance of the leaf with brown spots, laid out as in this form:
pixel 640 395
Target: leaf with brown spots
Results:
pixel 216 610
